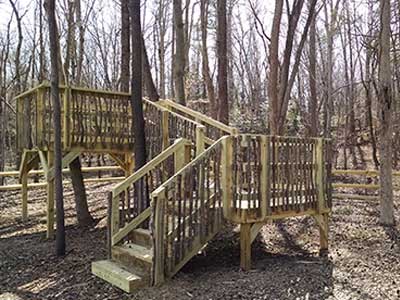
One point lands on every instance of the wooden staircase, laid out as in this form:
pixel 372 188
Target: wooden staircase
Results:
pixel 185 213
pixel 130 265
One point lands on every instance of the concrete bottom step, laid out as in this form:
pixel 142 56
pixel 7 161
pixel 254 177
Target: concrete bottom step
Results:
pixel 115 274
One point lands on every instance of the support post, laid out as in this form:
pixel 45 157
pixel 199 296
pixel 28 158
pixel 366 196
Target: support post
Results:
pixel 24 190
pixel 322 217
pixel 324 234
pixel 165 128
pixel 159 202
pixel 226 173
pixel 245 246
pixel 50 198
pixel 265 178
pixel 182 157
pixel 200 140
pixel 319 161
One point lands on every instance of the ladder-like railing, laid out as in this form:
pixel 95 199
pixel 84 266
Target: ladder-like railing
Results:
pixel 129 200
pixel 187 212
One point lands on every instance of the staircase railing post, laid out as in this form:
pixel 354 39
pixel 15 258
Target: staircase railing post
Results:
pixel 164 129
pixel 200 139
pixel 158 202
pixel 114 216
pixel 226 180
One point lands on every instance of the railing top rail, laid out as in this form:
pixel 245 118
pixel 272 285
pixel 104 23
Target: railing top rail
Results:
pixel 200 116
pixel 31 90
pixel 149 166
pixel 284 137
pixel 187 166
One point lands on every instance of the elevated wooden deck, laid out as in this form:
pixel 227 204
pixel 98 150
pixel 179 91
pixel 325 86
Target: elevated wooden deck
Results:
pixel 199 173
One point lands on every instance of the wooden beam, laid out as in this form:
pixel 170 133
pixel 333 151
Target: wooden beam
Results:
pixel 245 246
pixel 158 202
pixel 356 197
pixel 356 186
pixel 255 229
pixel 65 171
pixel 121 233
pixel 226 176
pixel 50 199
pixel 360 172
pixel 322 221
pixel 147 167
pixel 196 115
pixel 14 187
pixel 67 159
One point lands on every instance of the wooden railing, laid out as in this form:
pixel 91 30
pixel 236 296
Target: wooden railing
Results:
pixel 354 182
pixel 213 129
pixel 187 212
pixel 129 199
pixel 98 120
pixel 246 179
pixel 270 176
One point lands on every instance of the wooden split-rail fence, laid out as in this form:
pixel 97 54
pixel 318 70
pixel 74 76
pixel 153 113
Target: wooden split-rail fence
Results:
pixel 200 173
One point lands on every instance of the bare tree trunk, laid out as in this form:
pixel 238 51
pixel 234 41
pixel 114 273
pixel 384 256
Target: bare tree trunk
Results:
pixel 136 99
pixel 80 197
pixel 150 87
pixel 205 64
pixel 385 106
pixel 55 97
pixel 223 105
pixel 179 66
pixel 125 46
pixel 313 107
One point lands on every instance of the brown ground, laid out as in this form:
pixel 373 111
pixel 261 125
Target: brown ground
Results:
pixel 363 263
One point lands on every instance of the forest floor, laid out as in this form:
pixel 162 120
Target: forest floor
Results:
pixel 363 261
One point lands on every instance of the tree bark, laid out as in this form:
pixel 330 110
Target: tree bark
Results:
pixel 149 85
pixel 125 46
pixel 313 107
pixel 179 66
pixel 385 106
pixel 55 97
pixel 136 98
pixel 223 105
pixel 205 64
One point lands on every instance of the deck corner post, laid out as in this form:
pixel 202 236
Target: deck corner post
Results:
pixel 245 246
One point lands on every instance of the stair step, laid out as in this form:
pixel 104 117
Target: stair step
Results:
pixel 141 237
pixel 118 276
pixel 133 257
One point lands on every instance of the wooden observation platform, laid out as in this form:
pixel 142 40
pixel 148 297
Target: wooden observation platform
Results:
pixel 200 173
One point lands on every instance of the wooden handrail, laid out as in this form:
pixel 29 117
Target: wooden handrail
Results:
pixel 199 116
pixel 361 172
pixel 157 191
pixel 118 189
